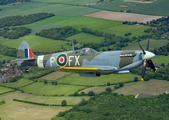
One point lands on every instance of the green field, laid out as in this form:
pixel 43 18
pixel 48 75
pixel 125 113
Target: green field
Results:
pixel 153 44
pixel 79 2
pixel 13 110
pixel 57 9
pixel 54 76
pixel 158 59
pixel 102 80
pixel 159 7
pixel 18 83
pixel 38 43
pixel 152 87
pixel 47 23
pixel 93 23
pixel 40 88
pixel 86 38
pixel 4 89
pixel 6 58
pixel 121 30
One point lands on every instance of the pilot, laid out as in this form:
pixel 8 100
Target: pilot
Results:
pixel 85 52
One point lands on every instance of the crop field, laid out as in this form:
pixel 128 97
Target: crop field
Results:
pixel 55 75
pixel 93 23
pixel 86 38
pixel 57 9
pixel 153 44
pixel 4 89
pixel 121 30
pixel 121 16
pixel 75 2
pixel 18 83
pixel 38 43
pixel 158 59
pixel 19 111
pixel 159 7
pixel 40 88
pixel 102 80
pixel 153 87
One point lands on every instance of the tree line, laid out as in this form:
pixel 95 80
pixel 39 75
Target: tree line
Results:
pixel 164 50
pixel 112 106
pixel 15 32
pixel 22 20
pixel 4 2
pixel 58 33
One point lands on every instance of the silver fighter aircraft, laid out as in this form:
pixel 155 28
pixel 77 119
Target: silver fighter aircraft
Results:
pixel 87 62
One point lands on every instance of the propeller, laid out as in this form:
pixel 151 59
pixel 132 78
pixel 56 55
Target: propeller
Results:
pixel 147 60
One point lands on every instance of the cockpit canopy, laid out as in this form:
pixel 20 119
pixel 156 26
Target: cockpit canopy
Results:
pixel 85 51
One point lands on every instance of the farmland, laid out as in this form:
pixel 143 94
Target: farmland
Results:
pixel 93 23
pixel 161 59
pixel 17 84
pixel 48 89
pixel 153 44
pixel 19 111
pixel 159 7
pixel 69 83
pixel 3 90
pixel 153 87
pixel 75 2
pixel 57 9
pixel 121 30
pixel 121 16
pixel 39 43
pixel 113 78
pixel 86 38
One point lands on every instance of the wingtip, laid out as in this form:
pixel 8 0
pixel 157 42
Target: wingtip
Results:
pixel 142 79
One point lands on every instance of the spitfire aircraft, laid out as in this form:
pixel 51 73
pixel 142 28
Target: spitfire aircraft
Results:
pixel 87 61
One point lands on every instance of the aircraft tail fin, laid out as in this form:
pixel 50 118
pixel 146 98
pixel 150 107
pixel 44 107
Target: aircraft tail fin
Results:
pixel 24 51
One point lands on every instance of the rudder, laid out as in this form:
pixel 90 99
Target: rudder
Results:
pixel 24 51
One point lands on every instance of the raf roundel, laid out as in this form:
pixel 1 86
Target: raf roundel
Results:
pixel 62 60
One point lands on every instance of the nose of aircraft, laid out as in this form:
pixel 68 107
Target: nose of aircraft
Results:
pixel 148 55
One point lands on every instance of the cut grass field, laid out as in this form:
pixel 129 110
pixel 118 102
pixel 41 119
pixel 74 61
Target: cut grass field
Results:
pixel 19 111
pixel 57 9
pixel 18 83
pixel 93 23
pixel 4 89
pixel 13 110
pixel 153 87
pixel 153 44
pixel 159 7
pixel 158 59
pixel 121 30
pixel 102 80
pixel 54 76
pixel 39 88
pixel 38 43
pixel 79 2
pixel 86 38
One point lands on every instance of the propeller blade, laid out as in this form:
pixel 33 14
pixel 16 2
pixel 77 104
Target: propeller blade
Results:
pixel 143 70
pixel 141 48
pixel 150 63
pixel 148 45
